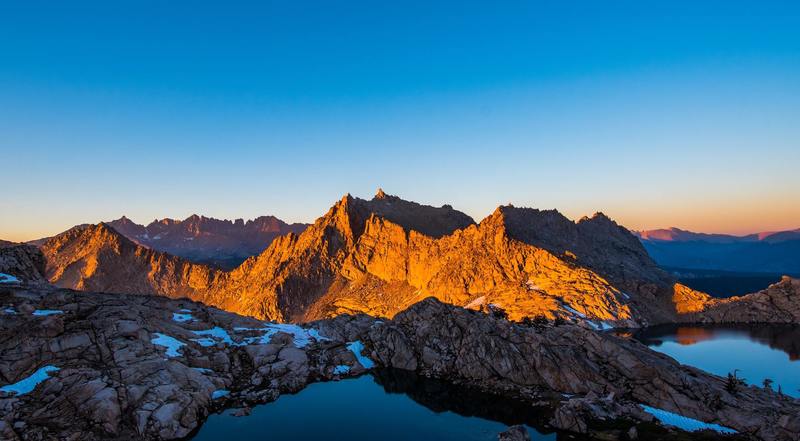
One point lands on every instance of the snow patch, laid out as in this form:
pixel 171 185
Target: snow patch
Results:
pixel 356 347
pixel 10 310
pixel 172 344
pixel 219 394
pixel 181 317
pixel 301 336
pixel 685 423
pixel 599 326
pixel 203 370
pixel 341 369
pixel 216 333
pixel 8 278
pixel 46 312
pixel 29 383
pixel 574 311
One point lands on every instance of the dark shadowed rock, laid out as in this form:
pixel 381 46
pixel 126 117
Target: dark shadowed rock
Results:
pixel 25 262
pixel 514 433
pixel 201 239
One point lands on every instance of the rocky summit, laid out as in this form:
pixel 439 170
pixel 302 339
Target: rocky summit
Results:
pixel 98 258
pixel 382 255
pixel 95 366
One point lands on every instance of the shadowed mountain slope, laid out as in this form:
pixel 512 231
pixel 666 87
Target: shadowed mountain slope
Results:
pixel 768 252
pixel 200 239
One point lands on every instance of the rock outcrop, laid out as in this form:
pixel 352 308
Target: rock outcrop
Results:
pixel 779 303
pixel 139 367
pixel 95 366
pixel 24 262
pixel 572 363
pixel 514 433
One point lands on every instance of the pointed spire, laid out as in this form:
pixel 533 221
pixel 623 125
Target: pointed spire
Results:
pixel 380 194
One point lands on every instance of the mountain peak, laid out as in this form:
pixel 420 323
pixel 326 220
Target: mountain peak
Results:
pixel 380 194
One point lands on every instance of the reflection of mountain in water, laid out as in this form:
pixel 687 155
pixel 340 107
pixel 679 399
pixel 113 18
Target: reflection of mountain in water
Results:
pixel 440 396
pixel 785 338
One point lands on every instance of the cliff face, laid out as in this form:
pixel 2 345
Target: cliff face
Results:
pixel 98 258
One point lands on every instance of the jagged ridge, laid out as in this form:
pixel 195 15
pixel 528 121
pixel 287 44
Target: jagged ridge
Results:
pixel 222 243
pixel 380 256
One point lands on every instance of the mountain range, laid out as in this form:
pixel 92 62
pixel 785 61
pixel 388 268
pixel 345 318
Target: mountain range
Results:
pixel 767 252
pixel 222 243
pixel 121 347
pixel 380 256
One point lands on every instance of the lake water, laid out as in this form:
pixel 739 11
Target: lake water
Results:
pixel 389 405
pixel 395 405
pixel 756 352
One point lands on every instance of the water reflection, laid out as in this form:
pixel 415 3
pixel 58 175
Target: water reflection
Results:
pixel 440 396
pixel 756 351
pixel 389 405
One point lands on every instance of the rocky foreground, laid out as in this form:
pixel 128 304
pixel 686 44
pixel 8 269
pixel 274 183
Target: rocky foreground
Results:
pixel 91 366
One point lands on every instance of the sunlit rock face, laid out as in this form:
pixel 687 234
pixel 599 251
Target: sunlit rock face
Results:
pixel 98 258
pixel 382 255
pixel 379 256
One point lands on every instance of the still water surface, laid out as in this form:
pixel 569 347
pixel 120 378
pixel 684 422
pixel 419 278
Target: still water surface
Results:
pixel 756 352
pixel 399 406
pixel 387 404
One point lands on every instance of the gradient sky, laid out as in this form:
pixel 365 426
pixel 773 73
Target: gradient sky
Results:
pixel 683 113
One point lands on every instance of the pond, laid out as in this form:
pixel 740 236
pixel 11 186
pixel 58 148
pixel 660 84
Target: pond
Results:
pixel 390 405
pixel 755 352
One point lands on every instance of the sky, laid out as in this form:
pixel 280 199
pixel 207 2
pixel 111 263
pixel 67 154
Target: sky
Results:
pixel 680 113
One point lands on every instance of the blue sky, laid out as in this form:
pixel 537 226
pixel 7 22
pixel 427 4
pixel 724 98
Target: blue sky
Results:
pixel 657 113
